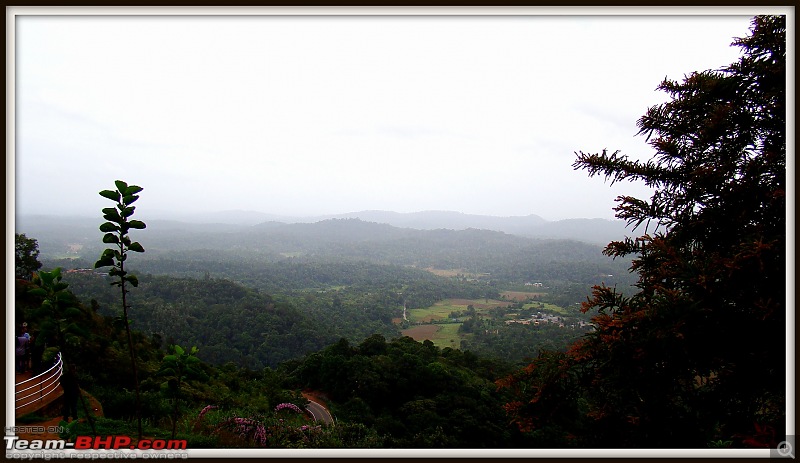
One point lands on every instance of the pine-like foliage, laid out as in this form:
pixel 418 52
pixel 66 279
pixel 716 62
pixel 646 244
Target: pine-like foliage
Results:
pixel 698 355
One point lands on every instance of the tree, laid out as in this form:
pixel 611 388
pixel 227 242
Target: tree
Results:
pixel 62 321
pixel 178 367
pixel 698 353
pixel 26 256
pixel 116 233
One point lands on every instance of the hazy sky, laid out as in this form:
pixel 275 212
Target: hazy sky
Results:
pixel 330 114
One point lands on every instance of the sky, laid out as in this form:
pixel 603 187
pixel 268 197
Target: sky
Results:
pixel 313 115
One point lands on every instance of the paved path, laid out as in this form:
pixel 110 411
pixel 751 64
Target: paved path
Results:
pixel 317 408
pixel 18 378
pixel 319 412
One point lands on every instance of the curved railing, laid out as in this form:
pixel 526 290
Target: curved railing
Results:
pixel 40 386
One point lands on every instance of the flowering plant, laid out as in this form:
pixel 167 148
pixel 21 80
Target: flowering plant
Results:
pixel 205 410
pixel 288 405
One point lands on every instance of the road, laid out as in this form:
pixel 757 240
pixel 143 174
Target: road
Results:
pixel 319 412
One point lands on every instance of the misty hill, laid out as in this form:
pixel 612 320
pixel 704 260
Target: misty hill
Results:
pixel 431 220
pixel 170 245
pixel 596 231
pixel 599 231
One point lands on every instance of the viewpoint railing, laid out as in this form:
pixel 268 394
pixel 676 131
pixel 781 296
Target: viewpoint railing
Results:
pixel 39 387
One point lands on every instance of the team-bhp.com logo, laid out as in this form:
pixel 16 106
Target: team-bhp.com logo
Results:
pixel 14 443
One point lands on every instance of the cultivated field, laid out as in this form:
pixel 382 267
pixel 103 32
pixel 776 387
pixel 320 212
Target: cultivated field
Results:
pixel 443 335
pixel 442 309
pixel 451 273
pixel 546 307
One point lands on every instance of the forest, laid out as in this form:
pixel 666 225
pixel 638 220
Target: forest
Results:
pixel 665 338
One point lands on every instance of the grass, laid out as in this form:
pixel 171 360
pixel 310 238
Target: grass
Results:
pixel 442 335
pixel 442 309
pixel 437 311
pixel 450 273
pixel 447 336
pixel 546 307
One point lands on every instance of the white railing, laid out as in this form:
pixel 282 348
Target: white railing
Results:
pixel 40 385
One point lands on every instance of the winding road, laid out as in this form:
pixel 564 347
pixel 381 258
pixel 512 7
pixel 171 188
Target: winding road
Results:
pixel 319 412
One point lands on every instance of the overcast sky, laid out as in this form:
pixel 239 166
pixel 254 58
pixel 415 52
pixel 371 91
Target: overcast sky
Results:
pixel 321 115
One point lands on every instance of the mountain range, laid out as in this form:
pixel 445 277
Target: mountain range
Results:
pixel 596 231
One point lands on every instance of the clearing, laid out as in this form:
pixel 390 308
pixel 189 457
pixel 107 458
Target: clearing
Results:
pixel 442 335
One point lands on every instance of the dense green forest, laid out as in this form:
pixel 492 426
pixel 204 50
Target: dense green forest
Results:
pixel 671 339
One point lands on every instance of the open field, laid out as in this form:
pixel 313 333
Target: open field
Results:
pixel 450 273
pixel 444 335
pixel 442 309
pixel 421 332
pixel 545 306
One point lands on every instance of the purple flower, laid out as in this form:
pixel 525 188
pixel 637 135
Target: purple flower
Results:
pixel 205 410
pixel 260 435
pixel 290 406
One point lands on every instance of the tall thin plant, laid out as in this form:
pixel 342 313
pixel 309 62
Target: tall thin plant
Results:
pixel 118 224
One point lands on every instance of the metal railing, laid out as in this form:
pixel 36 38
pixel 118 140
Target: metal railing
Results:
pixel 40 385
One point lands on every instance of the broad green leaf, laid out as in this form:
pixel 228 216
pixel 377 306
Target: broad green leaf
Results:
pixel 111 215
pixel 108 254
pixel 108 227
pixel 135 247
pixel 112 195
pixel 110 238
pixel 116 272
pixel 127 211
pixel 178 349
pixel 104 262
pixel 72 312
pixel 132 190
pixel 38 292
pixel 132 280
pixel 128 200
pixel 60 287
pixel 47 278
pixel 137 224
pixel 121 186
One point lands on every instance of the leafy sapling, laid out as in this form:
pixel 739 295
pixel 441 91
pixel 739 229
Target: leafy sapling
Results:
pixel 118 224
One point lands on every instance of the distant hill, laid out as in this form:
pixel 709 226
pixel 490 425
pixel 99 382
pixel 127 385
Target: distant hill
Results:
pixel 432 220
pixel 597 231
pixel 198 227
pixel 600 231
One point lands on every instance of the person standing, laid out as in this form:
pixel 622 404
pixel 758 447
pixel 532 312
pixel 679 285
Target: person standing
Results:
pixel 21 350
pixel 28 346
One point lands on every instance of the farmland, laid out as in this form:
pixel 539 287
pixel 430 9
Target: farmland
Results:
pixel 440 322
pixel 441 310
pixel 442 335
